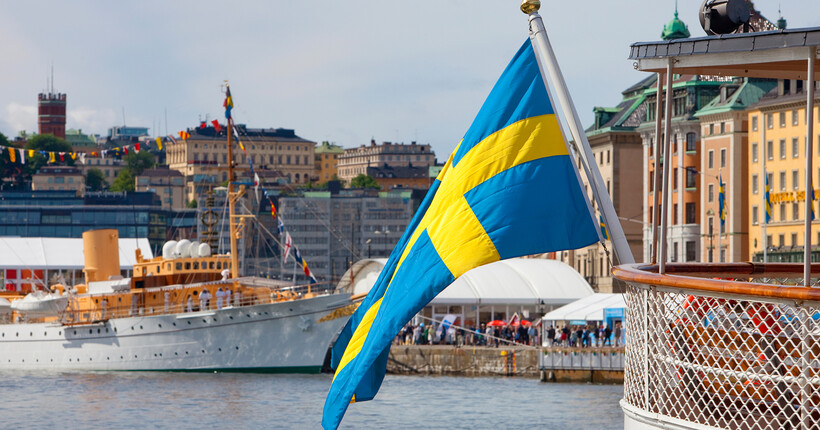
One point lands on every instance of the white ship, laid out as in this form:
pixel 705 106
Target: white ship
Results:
pixel 186 310
pixel 148 322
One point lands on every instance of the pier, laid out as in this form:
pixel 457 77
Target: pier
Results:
pixel 559 364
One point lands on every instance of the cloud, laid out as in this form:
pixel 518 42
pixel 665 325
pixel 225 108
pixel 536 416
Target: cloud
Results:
pixel 18 117
pixel 91 120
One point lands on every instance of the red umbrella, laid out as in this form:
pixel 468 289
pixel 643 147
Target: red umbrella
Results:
pixel 497 323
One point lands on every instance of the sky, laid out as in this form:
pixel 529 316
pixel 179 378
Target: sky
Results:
pixel 342 71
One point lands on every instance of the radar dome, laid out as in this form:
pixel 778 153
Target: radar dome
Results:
pixel 193 249
pixel 182 248
pixel 168 249
pixel 204 250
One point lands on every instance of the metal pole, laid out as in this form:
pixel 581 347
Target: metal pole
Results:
pixel 765 180
pixel 809 167
pixel 667 126
pixel 548 64
pixel 656 192
pixel 720 234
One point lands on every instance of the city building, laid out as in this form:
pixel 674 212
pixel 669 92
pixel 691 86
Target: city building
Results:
pixel 725 156
pixel 51 111
pixel 203 157
pixel 332 231
pixel 400 177
pixel 168 184
pixel 53 178
pixel 124 135
pixel 65 214
pixel 355 161
pixel 778 136
pixel 617 148
pixel 80 141
pixel 109 166
pixel 327 161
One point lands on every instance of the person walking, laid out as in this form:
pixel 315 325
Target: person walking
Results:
pixel 617 334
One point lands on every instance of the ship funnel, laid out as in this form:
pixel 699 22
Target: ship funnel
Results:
pixel 101 249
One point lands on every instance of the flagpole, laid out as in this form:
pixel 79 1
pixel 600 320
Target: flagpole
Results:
pixel 765 219
pixel 548 64
pixel 809 166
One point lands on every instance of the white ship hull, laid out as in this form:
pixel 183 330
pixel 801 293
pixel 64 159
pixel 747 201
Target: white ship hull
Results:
pixel 290 336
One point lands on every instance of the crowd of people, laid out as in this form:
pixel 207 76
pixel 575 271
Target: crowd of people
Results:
pixel 591 335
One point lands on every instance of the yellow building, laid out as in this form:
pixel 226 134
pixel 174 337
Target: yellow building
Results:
pixel 777 132
pixel 326 161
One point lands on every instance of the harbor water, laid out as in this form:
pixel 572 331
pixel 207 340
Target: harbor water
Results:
pixel 199 400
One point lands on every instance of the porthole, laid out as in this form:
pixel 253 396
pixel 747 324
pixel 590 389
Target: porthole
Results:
pixel 189 323
pixel 220 349
pixel 160 325
pixel 98 331
pixel 176 353
pixel 16 334
pixel 135 356
pixel 140 327
pixel 186 352
pixel 121 357
pixel 203 351
pixel 237 348
pixel 204 320
pixel 175 324
pixel 132 327
pixel 231 317
pixel 59 333
pixel 90 331
pixel 45 333
pixel 108 358
pixel 214 319
pixel 75 331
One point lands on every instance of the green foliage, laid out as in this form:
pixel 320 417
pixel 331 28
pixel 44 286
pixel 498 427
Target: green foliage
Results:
pixel 364 181
pixel 123 182
pixel 95 180
pixel 47 143
pixel 192 204
pixel 137 162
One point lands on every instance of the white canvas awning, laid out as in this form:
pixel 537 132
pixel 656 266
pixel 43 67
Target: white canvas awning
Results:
pixel 590 308
pixel 516 282
pixel 52 253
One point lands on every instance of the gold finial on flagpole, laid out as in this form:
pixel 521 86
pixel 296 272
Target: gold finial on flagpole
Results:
pixel 530 6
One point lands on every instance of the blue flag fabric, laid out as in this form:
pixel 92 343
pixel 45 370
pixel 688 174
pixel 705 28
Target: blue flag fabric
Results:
pixel 721 201
pixel 768 201
pixel 509 189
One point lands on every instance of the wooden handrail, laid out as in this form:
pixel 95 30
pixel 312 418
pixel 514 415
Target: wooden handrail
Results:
pixel 701 277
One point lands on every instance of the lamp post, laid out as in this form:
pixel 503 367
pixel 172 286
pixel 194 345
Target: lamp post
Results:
pixel 368 247
pixel 379 233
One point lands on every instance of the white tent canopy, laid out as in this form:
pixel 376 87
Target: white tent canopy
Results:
pixel 52 253
pixel 518 281
pixel 590 308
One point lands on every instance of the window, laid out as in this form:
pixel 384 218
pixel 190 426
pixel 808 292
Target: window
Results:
pixel 691 175
pixel 769 120
pixel 690 142
pixel 711 193
pixel 723 157
pixel 710 159
pixel 755 220
pixel 795 211
pixel 754 123
pixel 675 179
pixel 754 184
pixel 782 181
pixel 782 119
pixel 675 214
pixel 795 148
pixel 711 129
pixel 782 212
pixel 691 215
pixel 782 149
pixel 711 224
pixel 754 152
pixel 795 119
pixel 795 179
pixel 691 253
pixel 769 150
pixel 794 239
pixel 674 251
pixel 722 128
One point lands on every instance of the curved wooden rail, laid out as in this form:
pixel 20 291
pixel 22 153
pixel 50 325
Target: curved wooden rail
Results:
pixel 706 277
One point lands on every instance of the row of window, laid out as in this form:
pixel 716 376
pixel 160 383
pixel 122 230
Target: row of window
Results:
pixel 796 213
pixel 796 149
pixel 795 119
pixel 690 214
pixel 691 143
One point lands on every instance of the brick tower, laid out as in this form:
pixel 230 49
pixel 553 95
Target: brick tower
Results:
pixel 51 114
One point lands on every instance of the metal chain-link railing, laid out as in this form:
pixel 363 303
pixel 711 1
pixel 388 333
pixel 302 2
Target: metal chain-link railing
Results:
pixel 722 360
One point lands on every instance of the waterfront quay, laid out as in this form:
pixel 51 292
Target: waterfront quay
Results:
pixel 554 364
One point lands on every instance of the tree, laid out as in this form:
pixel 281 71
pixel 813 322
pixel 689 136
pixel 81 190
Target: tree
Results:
pixel 364 181
pixel 192 204
pixel 137 162
pixel 123 182
pixel 95 180
pixel 46 143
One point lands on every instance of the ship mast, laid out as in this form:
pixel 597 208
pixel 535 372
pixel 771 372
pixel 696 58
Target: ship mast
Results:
pixel 232 196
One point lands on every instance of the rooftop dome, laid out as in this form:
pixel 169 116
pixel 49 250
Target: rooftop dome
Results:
pixel 675 29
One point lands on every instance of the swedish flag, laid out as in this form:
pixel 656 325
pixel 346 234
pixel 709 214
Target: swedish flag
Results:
pixel 604 230
pixel 509 189
pixel 768 199
pixel 721 201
